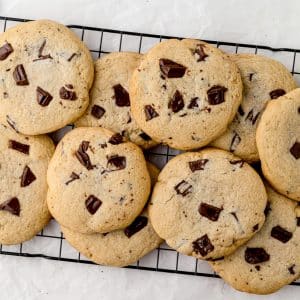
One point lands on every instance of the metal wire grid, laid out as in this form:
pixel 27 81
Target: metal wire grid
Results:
pixel 50 243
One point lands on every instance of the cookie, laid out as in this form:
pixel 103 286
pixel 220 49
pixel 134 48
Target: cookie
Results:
pixel 264 79
pixel 97 182
pixel 45 76
pixel 271 259
pixel 120 247
pixel 207 203
pixel 23 186
pixel 110 101
pixel 185 93
pixel 278 143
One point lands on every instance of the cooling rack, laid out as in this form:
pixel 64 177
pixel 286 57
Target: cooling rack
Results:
pixel 50 243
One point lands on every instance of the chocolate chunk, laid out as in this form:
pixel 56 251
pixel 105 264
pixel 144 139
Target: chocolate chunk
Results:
pixel 239 162
pixel 121 96
pixel 5 51
pixel 291 269
pixel 73 177
pixel 104 145
pixel 216 94
pixel 171 69
pixel 235 216
pixel 250 76
pixel 20 76
pixel 145 136
pixel 295 150
pixel 203 245
pixel 82 156
pixel 199 51
pixel 193 103
pixel 18 146
pixel 43 97
pixel 236 139
pixel 176 103
pixel 138 224
pixel 71 56
pixel 241 111
pixel 67 95
pixel 12 205
pixel 150 112
pixel 11 123
pixel 251 117
pixel 255 227
pixel 256 255
pixel 40 55
pixel 257 268
pixel 116 162
pixel 92 204
pixel 298 221
pixel 209 211
pixel 281 234
pixel 183 188
pixel 27 177
pixel 97 111
pixel 299 110
pixel 69 86
pixel 197 165
pixel 116 139
pixel 277 93
pixel 267 208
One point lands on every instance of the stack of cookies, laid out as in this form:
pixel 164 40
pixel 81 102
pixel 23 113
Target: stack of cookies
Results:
pixel 230 198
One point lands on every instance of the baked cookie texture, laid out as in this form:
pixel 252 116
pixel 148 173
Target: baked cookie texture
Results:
pixel 97 182
pixel 185 93
pixel 271 259
pixel 207 204
pixel 278 143
pixel 264 80
pixel 45 76
pixel 109 98
pixel 23 186
pixel 120 247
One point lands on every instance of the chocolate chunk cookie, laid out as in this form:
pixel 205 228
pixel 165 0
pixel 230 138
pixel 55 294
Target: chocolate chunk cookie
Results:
pixel 45 76
pixel 110 101
pixel 271 259
pixel 23 186
pixel 278 143
pixel 207 203
pixel 185 93
pixel 120 247
pixel 97 181
pixel 264 79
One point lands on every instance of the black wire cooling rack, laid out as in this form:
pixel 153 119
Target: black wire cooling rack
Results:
pixel 50 243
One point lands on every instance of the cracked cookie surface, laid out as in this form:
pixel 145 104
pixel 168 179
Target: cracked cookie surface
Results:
pixel 97 181
pixel 207 203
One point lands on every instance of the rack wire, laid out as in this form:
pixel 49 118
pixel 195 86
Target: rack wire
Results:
pixel 50 243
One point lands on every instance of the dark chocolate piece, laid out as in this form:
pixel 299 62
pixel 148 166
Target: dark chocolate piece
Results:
pixel 97 111
pixel 92 204
pixel 150 112
pixel 251 117
pixel 295 150
pixel 121 96
pixel 145 136
pixel 171 69
pixel 203 245
pixel 12 205
pixel 138 224
pixel 116 162
pixel 256 255
pixel 82 156
pixel 277 93
pixel 43 97
pixel 197 165
pixel 5 51
pixel 241 111
pixel 216 94
pixel 71 56
pixel 236 139
pixel 73 177
pixel 27 177
pixel 199 51
pixel 210 212
pixel 116 139
pixel 267 208
pixel 20 76
pixel 239 162
pixel 18 146
pixel 66 94
pixel 183 188
pixel 193 103
pixel 281 234
pixel 176 103
pixel 40 55
pixel 291 269
pixel 255 227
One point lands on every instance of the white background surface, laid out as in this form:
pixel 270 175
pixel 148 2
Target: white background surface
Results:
pixel 273 22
